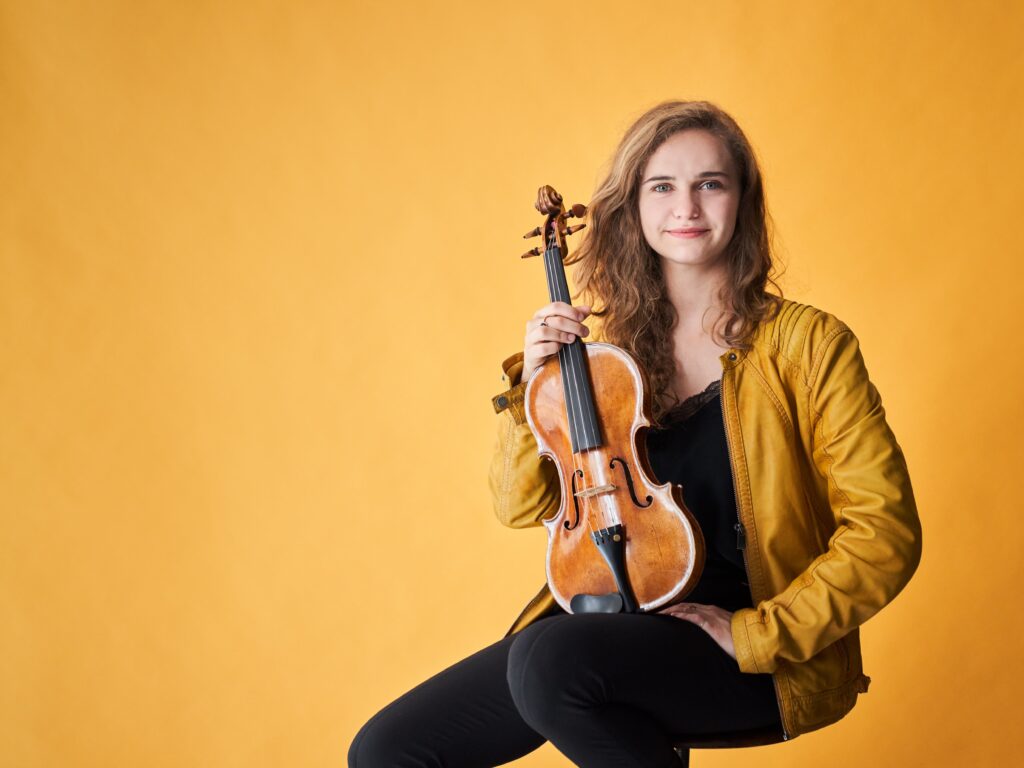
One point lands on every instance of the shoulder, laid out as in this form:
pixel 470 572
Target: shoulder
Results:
pixel 800 334
pixel 794 325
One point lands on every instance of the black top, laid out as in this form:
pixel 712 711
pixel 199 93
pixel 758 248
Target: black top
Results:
pixel 691 450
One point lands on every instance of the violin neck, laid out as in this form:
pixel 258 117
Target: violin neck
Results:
pixel 572 358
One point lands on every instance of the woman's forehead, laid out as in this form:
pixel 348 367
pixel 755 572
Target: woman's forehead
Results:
pixel 691 150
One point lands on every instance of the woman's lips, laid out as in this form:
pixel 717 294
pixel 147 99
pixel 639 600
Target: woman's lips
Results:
pixel 687 232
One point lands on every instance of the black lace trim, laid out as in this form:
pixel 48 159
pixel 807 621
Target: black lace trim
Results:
pixel 685 409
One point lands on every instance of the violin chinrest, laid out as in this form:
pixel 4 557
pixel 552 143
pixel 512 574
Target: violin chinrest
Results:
pixel 610 603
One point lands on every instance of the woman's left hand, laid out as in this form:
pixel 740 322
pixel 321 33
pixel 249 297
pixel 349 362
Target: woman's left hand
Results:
pixel 716 621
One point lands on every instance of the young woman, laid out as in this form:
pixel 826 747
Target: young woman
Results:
pixel 765 415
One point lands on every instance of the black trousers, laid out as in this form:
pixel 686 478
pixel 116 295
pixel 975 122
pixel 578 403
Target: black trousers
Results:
pixel 604 689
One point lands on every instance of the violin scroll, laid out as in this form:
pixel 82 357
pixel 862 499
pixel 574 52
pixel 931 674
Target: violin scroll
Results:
pixel 555 229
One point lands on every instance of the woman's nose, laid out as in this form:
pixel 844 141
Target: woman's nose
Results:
pixel 686 207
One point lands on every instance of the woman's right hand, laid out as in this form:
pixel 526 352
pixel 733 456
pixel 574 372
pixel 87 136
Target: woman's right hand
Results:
pixel 550 327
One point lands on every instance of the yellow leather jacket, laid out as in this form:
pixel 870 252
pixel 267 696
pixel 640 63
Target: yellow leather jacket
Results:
pixel 823 494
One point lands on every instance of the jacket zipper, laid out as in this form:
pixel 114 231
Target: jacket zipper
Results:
pixel 741 536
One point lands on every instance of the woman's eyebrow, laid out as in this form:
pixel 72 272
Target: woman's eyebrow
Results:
pixel 702 175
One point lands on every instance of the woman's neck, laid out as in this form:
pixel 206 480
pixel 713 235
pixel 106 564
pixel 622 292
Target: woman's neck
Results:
pixel 693 291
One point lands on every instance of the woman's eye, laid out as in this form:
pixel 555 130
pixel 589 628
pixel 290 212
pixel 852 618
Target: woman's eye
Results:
pixel 718 184
pixel 660 188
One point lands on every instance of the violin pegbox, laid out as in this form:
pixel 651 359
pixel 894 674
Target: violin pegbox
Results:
pixel 554 229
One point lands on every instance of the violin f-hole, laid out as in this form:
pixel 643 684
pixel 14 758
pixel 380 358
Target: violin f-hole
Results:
pixel 575 502
pixel 629 483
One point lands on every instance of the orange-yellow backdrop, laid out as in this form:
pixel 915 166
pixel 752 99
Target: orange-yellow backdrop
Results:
pixel 258 268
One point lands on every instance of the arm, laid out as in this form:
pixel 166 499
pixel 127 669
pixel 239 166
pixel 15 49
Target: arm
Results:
pixel 876 546
pixel 524 488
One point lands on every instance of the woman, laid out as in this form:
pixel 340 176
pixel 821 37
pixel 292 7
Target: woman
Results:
pixel 765 415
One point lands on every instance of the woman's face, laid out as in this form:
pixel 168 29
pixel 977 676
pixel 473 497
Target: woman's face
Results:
pixel 689 196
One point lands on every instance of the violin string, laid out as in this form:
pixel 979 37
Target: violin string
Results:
pixel 553 254
pixel 575 398
pixel 585 427
pixel 574 356
pixel 585 419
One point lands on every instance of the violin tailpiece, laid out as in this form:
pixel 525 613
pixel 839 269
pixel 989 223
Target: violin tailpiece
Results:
pixel 611 543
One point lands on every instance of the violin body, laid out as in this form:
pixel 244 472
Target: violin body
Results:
pixel 663 545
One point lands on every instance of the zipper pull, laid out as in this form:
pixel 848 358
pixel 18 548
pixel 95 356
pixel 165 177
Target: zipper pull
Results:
pixel 741 536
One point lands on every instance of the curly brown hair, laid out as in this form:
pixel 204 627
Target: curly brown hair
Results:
pixel 618 268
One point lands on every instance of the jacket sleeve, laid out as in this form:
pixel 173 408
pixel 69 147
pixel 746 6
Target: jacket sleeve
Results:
pixel 524 487
pixel 876 546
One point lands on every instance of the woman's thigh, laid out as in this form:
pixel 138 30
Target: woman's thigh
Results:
pixel 462 717
pixel 665 667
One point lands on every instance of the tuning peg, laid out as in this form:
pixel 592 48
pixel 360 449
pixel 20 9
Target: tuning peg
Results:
pixel 535 232
pixel 531 252
pixel 578 211
pixel 573 228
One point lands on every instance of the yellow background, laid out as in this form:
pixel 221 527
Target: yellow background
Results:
pixel 259 267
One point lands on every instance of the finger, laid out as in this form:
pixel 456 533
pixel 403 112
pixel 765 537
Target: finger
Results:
pixel 691 612
pixel 563 324
pixel 682 613
pixel 546 350
pixel 549 333
pixel 554 308
pixel 561 309
pixel 684 607
pixel 549 321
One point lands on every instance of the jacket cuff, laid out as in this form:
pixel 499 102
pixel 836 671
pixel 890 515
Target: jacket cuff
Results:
pixel 512 401
pixel 512 398
pixel 741 640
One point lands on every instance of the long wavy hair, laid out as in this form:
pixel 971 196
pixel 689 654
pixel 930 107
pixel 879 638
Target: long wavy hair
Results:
pixel 620 274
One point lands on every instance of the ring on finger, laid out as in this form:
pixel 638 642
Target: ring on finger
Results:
pixel 545 320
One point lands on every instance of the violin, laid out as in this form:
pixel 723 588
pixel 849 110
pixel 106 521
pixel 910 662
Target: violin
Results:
pixel 620 543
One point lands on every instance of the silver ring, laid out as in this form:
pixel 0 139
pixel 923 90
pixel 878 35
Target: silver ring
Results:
pixel 544 322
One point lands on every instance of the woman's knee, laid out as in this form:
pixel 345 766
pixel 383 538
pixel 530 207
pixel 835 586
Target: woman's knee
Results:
pixel 378 742
pixel 543 666
pixel 357 746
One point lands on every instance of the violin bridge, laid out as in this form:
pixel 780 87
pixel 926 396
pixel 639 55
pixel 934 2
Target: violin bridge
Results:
pixel 597 490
